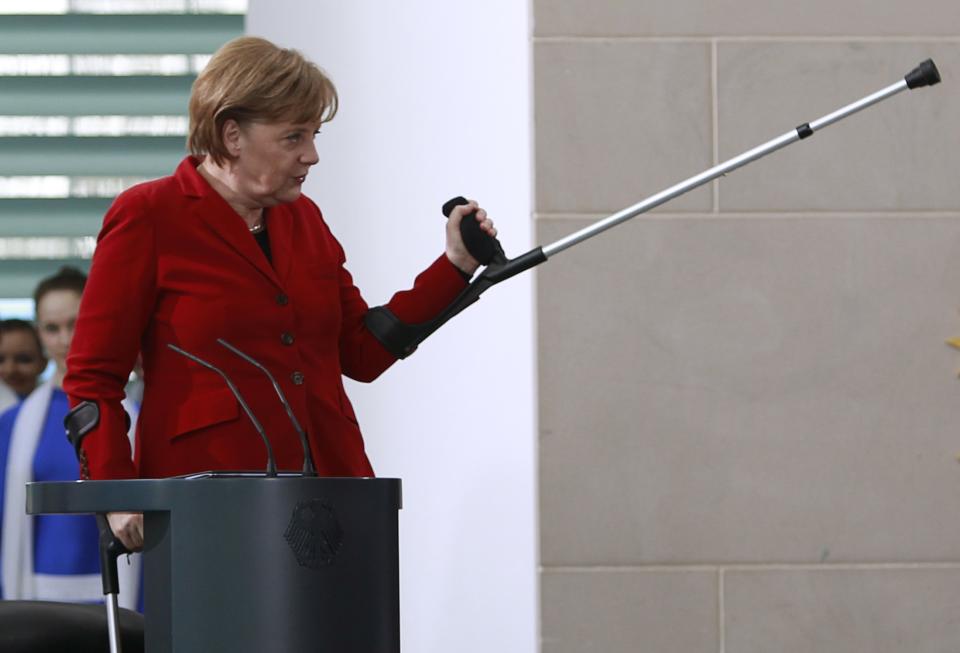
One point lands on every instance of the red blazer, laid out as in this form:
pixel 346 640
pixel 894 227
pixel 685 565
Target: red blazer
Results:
pixel 175 264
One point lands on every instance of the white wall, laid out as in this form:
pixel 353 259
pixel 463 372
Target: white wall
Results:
pixel 435 102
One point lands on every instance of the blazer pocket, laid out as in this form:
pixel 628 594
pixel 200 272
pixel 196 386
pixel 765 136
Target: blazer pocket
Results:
pixel 204 410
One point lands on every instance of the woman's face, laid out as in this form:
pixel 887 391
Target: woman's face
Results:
pixel 21 361
pixel 272 159
pixel 56 316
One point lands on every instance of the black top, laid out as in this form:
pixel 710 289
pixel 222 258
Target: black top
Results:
pixel 263 239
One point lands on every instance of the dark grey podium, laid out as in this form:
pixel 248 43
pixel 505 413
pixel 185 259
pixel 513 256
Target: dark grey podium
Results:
pixel 240 562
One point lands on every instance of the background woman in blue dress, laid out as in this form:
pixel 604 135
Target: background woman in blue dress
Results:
pixel 48 557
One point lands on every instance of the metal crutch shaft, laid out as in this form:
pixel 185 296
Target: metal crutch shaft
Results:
pixel 925 74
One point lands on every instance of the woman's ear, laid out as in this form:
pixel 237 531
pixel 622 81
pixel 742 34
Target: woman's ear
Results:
pixel 230 132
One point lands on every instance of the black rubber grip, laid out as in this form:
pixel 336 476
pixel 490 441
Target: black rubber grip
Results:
pixel 926 74
pixel 480 245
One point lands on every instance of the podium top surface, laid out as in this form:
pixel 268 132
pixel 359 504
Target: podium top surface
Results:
pixel 139 495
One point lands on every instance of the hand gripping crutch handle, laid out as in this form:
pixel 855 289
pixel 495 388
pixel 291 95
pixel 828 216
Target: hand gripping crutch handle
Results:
pixel 111 549
pixel 482 246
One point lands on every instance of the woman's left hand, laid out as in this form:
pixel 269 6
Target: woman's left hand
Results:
pixel 456 250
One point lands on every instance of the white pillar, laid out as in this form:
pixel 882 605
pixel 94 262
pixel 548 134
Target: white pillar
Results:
pixel 435 102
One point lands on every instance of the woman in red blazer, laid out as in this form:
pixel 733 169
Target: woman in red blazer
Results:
pixel 228 247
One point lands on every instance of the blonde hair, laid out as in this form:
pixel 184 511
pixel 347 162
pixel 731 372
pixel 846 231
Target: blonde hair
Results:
pixel 251 79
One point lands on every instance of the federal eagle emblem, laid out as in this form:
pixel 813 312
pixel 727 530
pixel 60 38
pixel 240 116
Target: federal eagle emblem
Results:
pixel 314 533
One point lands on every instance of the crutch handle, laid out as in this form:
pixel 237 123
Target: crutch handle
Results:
pixel 483 247
pixel 111 549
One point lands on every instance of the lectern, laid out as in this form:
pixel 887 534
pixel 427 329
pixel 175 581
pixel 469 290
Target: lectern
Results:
pixel 239 562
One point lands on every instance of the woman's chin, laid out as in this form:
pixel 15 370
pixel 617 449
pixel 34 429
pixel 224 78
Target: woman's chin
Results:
pixel 292 196
pixel 285 196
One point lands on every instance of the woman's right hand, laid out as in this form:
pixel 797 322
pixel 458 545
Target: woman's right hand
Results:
pixel 128 528
pixel 456 250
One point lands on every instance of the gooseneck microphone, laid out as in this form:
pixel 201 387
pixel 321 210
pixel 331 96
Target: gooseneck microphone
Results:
pixel 308 466
pixel 271 461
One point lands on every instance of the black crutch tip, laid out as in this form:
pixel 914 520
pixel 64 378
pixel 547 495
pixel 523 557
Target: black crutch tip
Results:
pixel 926 74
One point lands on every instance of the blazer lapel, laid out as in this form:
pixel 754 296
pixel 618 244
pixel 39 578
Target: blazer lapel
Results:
pixel 229 227
pixel 220 217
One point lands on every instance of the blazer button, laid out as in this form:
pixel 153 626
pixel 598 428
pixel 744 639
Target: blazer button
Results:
pixel 286 338
pixel 282 299
pixel 297 378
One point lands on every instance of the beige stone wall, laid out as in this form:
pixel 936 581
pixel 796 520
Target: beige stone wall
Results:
pixel 749 420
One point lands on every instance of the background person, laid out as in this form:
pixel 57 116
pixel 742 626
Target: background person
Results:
pixel 7 396
pixel 21 356
pixel 48 557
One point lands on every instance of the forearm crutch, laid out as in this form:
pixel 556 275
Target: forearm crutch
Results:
pixel 402 339
pixel 78 423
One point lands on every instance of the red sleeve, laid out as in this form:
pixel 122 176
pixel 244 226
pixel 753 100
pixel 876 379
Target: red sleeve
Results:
pixel 114 312
pixel 362 357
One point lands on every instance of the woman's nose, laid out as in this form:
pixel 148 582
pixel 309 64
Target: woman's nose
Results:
pixel 310 156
